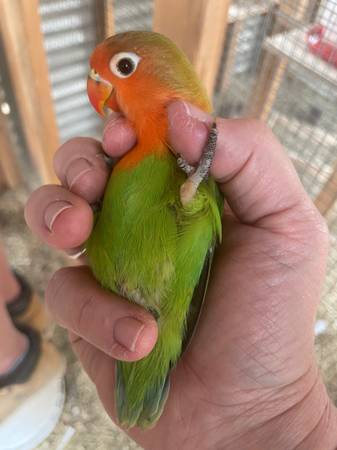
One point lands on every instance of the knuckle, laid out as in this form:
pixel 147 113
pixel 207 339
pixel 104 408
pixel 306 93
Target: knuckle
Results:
pixel 319 229
pixel 261 132
pixel 313 229
pixel 83 314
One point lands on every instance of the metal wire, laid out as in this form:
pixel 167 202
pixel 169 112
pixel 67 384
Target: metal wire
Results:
pixel 133 15
pixel 301 108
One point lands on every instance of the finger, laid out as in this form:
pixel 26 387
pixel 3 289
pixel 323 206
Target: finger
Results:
pixel 115 326
pixel 59 217
pixel 100 368
pixel 253 170
pixel 118 136
pixel 92 359
pixel 80 166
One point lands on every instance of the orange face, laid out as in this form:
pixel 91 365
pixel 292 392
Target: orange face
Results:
pixel 138 73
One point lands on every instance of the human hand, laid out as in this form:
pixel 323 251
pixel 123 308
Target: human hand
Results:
pixel 249 379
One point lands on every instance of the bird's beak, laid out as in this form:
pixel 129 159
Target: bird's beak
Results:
pixel 101 94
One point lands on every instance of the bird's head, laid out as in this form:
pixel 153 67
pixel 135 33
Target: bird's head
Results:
pixel 137 73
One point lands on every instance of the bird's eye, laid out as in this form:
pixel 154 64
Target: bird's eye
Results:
pixel 124 64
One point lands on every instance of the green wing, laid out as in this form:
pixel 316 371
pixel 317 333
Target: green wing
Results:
pixel 150 249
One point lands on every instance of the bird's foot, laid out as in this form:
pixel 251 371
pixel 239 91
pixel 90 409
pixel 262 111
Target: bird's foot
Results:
pixel 184 165
pixel 196 176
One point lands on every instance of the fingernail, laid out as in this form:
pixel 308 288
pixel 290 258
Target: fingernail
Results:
pixel 127 332
pixel 53 211
pixel 76 170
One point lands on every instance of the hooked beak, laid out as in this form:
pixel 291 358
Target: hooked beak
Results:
pixel 101 94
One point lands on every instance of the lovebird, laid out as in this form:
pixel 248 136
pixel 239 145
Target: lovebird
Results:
pixel 160 219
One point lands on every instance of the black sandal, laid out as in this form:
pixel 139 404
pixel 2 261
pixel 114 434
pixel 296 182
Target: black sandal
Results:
pixel 26 364
pixel 20 304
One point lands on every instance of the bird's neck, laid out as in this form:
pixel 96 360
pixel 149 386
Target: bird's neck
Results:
pixel 151 129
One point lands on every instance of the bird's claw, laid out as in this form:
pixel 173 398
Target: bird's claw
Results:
pixel 184 165
pixel 190 186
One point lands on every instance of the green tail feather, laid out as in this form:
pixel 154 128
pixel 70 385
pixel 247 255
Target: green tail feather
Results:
pixel 139 410
pixel 142 387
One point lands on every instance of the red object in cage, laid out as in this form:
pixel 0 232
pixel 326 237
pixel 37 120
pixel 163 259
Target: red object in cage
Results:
pixel 325 49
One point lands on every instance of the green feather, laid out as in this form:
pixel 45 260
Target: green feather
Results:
pixel 150 249
pixel 152 252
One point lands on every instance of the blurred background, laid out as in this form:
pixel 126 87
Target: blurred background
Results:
pixel 273 60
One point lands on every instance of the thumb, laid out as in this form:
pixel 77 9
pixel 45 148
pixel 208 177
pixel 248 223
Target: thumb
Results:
pixel 250 165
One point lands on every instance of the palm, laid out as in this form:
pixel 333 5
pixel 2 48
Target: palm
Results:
pixel 247 332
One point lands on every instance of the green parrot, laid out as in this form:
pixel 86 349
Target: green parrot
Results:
pixel 154 237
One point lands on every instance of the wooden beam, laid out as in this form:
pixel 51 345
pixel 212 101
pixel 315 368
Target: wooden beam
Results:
pixel 3 182
pixel 109 20
pixel 273 68
pixel 28 68
pixel 198 28
pixel 296 9
pixel 105 20
pixel 10 174
pixel 328 195
pixel 231 56
pixel 267 86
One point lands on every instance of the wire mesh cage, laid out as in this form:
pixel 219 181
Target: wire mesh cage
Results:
pixel 289 79
pixel 131 15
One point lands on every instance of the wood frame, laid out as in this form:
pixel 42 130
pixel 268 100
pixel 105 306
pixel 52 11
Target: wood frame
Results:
pixel 104 12
pixel 197 27
pixel 109 21
pixel 9 170
pixel 231 54
pixel 273 67
pixel 28 68
pixel 328 195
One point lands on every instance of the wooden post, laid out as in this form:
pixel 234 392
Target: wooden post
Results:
pixel 28 68
pixel 105 22
pixel 267 86
pixel 273 68
pixel 296 9
pixel 109 22
pixel 3 181
pixel 197 27
pixel 231 55
pixel 10 175
pixel 328 195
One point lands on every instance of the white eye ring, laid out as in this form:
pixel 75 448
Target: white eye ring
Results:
pixel 124 64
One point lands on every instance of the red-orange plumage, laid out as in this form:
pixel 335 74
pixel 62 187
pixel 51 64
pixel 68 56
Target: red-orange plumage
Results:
pixel 143 99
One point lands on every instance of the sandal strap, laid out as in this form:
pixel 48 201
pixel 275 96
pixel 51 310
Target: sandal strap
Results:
pixel 26 364
pixel 21 302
